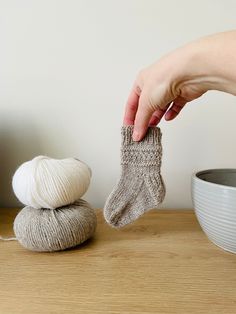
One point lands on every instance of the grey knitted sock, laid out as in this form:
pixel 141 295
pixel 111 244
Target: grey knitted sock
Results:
pixel 140 187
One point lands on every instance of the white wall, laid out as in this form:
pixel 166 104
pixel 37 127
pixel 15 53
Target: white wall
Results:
pixel 66 68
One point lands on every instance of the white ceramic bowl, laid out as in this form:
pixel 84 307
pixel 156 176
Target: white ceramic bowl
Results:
pixel 214 200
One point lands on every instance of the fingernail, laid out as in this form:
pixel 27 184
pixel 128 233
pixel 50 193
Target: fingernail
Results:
pixel 136 136
pixel 167 116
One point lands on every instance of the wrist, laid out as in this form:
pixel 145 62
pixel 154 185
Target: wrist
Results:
pixel 211 63
pixel 198 72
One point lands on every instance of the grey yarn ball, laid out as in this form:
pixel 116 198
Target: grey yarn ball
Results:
pixel 47 230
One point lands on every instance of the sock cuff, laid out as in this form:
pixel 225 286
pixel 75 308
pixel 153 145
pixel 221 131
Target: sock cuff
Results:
pixel 152 137
pixel 147 152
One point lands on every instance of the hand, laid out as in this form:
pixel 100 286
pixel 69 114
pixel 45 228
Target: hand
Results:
pixel 165 87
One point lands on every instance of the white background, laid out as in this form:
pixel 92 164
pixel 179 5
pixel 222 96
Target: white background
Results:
pixel 66 68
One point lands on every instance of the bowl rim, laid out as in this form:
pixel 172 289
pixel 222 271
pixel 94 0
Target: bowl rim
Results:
pixel 199 172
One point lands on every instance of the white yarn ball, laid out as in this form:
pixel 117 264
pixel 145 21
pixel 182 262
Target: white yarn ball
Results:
pixel 45 182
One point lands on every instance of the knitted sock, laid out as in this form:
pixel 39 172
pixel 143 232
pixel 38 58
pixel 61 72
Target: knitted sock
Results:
pixel 140 187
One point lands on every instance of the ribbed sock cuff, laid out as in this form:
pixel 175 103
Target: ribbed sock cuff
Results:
pixel 147 152
pixel 152 137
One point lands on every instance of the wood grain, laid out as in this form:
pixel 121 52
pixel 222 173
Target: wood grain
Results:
pixel 163 263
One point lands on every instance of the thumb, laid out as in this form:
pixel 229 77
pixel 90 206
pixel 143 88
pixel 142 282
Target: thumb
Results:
pixel 151 99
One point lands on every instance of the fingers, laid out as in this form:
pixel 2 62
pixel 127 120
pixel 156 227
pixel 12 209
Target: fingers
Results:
pixel 157 116
pixel 132 106
pixel 146 105
pixel 175 109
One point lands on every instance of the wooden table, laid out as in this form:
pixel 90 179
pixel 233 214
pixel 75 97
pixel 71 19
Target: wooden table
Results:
pixel 163 263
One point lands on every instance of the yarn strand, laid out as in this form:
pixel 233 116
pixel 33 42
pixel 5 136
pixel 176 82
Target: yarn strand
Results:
pixel 8 239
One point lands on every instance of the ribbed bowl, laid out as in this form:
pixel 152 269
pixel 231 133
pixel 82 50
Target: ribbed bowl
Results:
pixel 214 201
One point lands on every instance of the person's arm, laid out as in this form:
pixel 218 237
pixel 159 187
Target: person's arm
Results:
pixel 164 88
